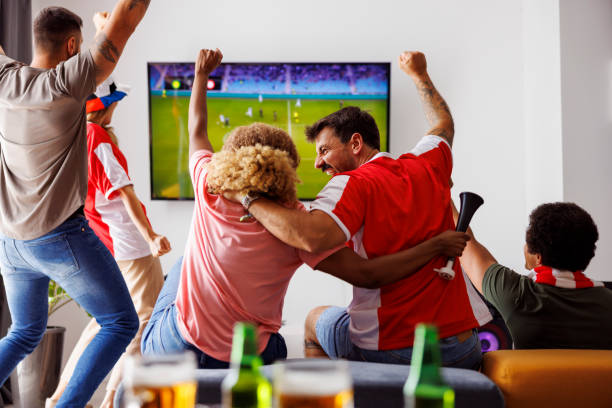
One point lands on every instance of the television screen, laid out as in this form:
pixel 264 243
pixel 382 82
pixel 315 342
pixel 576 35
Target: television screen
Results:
pixel 290 96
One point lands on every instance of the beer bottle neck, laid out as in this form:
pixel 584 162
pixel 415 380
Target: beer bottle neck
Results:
pixel 244 347
pixel 425 366
pixel 426 361
pixel 249 362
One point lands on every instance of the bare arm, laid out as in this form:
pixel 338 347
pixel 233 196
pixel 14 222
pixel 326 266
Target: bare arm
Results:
pixel 158 243
pixel 2 51
pixel 476 259
pixel 113 33
pixel 374 273
pixel 207 61
pixel 313 232
pixel 436 109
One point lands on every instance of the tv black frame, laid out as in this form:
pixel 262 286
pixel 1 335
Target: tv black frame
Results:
pixel 386 149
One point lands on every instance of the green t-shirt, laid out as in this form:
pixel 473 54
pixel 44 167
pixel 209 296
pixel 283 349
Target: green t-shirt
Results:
pixel 545 316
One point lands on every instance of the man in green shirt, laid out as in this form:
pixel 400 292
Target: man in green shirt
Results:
pixel 556 305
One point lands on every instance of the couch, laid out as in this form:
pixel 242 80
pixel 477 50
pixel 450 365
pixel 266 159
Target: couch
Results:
pixel 552 378
pixel 375 386
pixel 380 386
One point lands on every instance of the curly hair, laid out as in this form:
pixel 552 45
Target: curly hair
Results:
pixel 563 234
pixel 257 158
pixel 265 135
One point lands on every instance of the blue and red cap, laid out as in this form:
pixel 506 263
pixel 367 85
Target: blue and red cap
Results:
pixel 107 93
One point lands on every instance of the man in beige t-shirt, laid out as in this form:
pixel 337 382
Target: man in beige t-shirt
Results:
pixel 43 184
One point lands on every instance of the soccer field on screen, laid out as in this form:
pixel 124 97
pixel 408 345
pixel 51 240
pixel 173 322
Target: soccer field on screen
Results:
pixel 170 140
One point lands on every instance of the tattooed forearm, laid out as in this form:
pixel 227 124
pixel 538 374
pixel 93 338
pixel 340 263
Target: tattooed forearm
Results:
pixel 134 3
pixel 436 110
pixel 106 48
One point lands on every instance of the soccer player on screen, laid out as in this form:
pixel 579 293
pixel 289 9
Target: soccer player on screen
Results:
pixel 381 205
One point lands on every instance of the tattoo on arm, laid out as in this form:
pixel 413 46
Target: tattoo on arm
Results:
pixel 134 3
pixel 436 109
pixel 435 106
pixel 106 48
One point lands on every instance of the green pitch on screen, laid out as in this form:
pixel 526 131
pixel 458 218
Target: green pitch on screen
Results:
pixel 170 139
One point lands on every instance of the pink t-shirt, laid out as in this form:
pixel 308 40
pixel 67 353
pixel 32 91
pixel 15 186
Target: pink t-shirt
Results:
pixel 232 271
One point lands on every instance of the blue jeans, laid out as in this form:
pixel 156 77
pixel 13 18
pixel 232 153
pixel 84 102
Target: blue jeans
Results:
pixel 74 257
pixel 332 330
pixel 162 336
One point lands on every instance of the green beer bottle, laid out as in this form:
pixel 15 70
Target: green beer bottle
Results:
pixel 244 386
pixel 425 387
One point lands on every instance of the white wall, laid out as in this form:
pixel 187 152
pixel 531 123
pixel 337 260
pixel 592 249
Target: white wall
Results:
pixel 542 103
pixel 586 71
pixel 481 58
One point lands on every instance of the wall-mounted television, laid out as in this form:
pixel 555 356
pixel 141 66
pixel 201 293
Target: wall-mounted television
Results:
pixel 290 96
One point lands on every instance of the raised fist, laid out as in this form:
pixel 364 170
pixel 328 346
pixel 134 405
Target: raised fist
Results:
pixel 207 61
pixel 413 63
pixel 100 19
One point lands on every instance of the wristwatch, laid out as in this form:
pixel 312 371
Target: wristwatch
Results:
pixel 248 199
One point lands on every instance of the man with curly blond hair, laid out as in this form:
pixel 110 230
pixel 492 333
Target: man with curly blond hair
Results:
pixel 383 205
pixel 233 269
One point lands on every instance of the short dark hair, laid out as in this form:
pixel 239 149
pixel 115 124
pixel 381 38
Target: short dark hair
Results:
pixel 345 122
pixel 563 234
pixel 53 25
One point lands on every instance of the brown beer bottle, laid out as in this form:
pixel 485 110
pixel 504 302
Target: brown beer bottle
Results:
pixel 244 386
pixel 425 387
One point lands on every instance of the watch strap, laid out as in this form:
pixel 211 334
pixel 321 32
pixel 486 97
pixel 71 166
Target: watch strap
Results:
pixel 248 199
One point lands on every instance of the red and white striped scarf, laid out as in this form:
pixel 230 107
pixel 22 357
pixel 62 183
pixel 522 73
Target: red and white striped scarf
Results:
pixel 562 279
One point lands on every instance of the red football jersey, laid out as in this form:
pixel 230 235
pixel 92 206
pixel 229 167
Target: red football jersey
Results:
pixel 387 205
pixel 108 217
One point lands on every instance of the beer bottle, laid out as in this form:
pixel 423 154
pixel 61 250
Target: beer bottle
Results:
pixel 425 387
pixel 245 386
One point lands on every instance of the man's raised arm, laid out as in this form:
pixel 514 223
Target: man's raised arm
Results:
pixel 207 61
pixel 436 110
pixel 113 32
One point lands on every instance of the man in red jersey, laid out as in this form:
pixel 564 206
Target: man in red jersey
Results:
pixel 382 205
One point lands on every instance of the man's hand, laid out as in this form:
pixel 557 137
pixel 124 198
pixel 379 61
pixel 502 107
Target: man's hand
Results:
pixel 207 61
pixel 233 195
pixel 1 51
pixel 413 63
pixel 113 32
pixel 451 243
pixel 159 245
pixel 100 19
